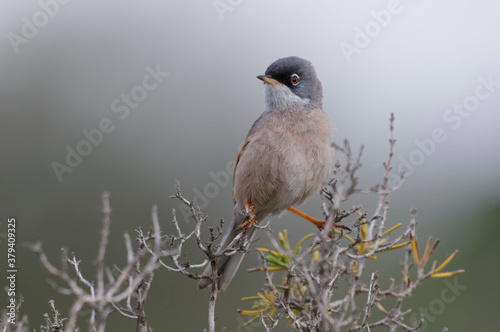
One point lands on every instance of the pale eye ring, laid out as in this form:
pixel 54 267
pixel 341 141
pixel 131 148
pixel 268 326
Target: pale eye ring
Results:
pixel 294 79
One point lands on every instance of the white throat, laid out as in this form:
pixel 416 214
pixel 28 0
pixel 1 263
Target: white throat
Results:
pixel 279 97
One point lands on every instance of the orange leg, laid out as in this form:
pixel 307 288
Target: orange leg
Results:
pixel 251 217
pixel 317 223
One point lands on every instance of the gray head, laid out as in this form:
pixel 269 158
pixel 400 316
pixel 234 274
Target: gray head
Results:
pixel 290 83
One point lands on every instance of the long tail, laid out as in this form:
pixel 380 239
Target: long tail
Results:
pixel 228 265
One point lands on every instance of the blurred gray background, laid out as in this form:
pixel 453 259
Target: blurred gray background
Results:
pixel 66 67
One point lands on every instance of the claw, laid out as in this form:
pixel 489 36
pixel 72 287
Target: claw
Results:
pixel 249 209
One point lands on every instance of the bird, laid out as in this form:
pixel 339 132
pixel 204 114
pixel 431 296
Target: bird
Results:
pixel 286 157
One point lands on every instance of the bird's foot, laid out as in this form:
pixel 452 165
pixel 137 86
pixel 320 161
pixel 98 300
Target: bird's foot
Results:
pixel 316 222
pixel 249 209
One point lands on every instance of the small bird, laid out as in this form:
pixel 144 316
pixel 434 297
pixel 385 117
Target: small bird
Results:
pixel 285 159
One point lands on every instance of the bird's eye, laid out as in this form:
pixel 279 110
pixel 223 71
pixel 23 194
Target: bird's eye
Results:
pixel 294 79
